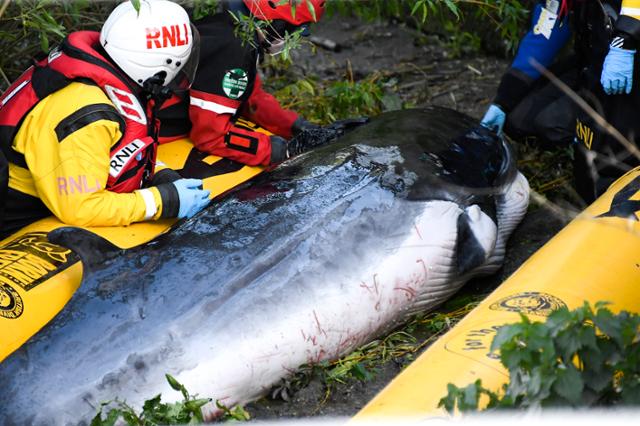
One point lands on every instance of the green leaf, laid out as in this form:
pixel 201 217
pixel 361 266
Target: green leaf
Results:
pixel 569 384
pixel 44 42
pixel 630 394
pixel 360 372
pixel 471 397
pixel 448 402
pixel 131 418
pixel 152 404
pixel 136 5
pixel 239 413
pixel 312 10
pixel 505 334
pixel 568 342
pixel 598 380
pixel 452 7
pixel 607 323
pixel 175 385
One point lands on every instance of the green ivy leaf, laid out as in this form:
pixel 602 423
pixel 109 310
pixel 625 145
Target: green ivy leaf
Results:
pixel 607 323
pixel 448 402
pixel 575 357
pixel 597 379
pixel 471 397
pixel 569 384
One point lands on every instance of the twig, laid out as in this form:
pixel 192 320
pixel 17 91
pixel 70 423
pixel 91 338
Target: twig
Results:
pixel 411 84
pixel 446 92
pixel 553 184
pixel 475 70
pixel 560 212
pixel 327 394
pixel 414 66
pixel 4 76
pixel 4 6
pixel 325 43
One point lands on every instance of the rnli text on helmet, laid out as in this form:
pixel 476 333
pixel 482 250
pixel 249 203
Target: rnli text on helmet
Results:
pixel 171 36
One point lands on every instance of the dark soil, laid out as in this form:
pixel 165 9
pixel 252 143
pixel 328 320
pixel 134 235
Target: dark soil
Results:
pixel 429 71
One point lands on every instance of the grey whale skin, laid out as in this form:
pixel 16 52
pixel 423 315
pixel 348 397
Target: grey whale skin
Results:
pixel 304 264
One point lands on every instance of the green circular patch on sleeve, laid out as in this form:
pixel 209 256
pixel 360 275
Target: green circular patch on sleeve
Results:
pixel 235 83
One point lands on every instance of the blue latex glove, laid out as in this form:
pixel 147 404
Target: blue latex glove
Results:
pixel 617 71
pixel 494 119
pixel 192 197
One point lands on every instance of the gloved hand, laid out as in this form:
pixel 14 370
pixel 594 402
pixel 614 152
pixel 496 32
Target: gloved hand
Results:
pixel 192 197
pixel 302 125
pixel 494 119
pixel 311 135
pixel 347 124
pixel 617 71
pixel 279 149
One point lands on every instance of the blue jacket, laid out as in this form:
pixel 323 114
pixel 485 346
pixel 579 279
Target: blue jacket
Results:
pixel 547 35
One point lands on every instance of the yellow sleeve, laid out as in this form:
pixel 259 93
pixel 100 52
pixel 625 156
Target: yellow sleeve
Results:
pixel 70 168
pixel 631 8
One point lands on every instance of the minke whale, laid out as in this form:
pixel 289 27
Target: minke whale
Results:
pixel 304 264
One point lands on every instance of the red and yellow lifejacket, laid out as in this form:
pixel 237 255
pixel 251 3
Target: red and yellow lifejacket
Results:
pixel 77 59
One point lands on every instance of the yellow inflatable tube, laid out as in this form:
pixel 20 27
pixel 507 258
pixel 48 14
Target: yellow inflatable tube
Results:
pixel 595 258
pixel 37 278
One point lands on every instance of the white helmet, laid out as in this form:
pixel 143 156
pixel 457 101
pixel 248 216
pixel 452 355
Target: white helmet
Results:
pixel 155 40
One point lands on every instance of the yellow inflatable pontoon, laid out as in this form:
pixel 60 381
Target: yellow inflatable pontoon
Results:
pixel 595 258
pixel 37 278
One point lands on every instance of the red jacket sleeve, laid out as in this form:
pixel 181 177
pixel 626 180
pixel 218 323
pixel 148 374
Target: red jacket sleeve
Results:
pixel 263 109
pixel 214 131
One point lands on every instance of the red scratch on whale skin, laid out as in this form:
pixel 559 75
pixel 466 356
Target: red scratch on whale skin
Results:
pixel 418 231
pixel 370 289
pixel 410 285
pixel 317 357
pixel 289 370
pixel 424 268
pixel 410 292
pixel 320 330
pixel 309 338
pixel 347 341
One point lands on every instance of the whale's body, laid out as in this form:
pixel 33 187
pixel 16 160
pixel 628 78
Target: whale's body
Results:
pixel 307 263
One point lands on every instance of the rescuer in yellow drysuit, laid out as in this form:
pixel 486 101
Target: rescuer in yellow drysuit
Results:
pixel 79 130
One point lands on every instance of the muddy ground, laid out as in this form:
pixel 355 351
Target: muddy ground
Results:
pixel 424 70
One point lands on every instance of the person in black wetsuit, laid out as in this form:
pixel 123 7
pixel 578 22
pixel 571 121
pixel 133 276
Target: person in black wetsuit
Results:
pixel 227 85
pixel 601 69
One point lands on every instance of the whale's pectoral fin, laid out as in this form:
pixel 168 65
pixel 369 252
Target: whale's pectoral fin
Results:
pixel 92 248
pixel 477 235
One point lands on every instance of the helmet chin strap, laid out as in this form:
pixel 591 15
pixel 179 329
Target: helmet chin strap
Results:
pixel 271 45
pixel 155 88
pixel 276 47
